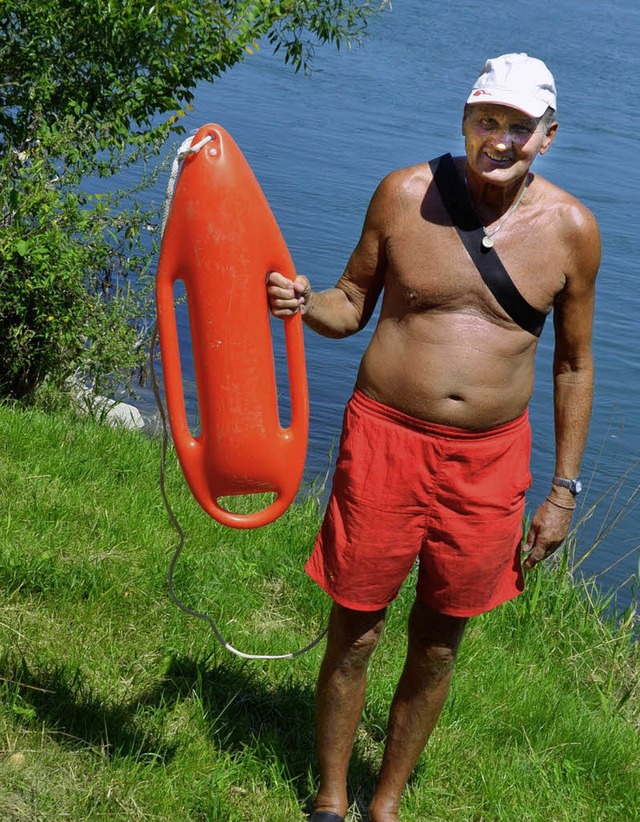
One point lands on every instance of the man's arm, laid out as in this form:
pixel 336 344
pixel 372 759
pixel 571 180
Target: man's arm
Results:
pixel 348 306
pixel 572 383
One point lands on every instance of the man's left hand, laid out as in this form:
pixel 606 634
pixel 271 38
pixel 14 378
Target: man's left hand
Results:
pixel 548 530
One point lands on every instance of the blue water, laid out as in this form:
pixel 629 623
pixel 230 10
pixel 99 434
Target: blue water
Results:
pixel 320 144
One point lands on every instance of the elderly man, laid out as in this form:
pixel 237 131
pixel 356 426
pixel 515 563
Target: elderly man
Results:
pixel 470 254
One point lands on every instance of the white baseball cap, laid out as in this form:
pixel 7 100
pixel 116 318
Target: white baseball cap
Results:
pixel 518 81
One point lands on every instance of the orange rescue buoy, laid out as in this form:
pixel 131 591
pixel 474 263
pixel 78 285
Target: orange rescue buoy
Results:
pixel 221 240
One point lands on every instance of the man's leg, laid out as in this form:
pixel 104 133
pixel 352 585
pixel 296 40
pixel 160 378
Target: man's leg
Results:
pixel 352 637
pixel 433 640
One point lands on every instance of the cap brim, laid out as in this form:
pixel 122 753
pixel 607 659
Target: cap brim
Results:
pixel 533 106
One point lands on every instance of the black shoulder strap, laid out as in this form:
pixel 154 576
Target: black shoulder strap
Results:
pixel 460 208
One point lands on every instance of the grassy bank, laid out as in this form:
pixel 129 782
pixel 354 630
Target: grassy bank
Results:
pixel 115 705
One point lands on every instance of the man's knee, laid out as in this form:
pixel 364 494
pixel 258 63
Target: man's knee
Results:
pixel 434 639
pixel 354 635
pixel 434 661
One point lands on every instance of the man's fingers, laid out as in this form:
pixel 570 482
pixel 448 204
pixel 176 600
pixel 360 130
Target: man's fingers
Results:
pixel 533 559
pixel 280 288
pixel 283 303
pixel 282 294
pixel 286 297
pixel 531 538
pixel 276 279
pixel 535 554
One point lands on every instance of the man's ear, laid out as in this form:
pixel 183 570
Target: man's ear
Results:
pixel 465 114
pixel 549 137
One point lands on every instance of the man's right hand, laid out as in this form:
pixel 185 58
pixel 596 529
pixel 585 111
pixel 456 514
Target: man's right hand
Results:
pixel 287 297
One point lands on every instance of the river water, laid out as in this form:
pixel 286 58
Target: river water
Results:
pixel 319 145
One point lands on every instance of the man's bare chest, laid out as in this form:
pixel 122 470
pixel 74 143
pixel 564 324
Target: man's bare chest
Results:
pixel 428 268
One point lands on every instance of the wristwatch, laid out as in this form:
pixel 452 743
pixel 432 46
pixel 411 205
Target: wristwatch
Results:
pixel 574 485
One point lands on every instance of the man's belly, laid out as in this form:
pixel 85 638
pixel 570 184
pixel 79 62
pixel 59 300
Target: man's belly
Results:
pixel 452 369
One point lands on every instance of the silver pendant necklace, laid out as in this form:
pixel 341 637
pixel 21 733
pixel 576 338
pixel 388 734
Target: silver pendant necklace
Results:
pixel 487 240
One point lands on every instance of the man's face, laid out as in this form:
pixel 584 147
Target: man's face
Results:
pixel 501 142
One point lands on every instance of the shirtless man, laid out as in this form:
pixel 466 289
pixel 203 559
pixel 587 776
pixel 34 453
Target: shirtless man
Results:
pixel 434 455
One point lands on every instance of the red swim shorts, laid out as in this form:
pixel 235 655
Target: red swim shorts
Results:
pixel 403 489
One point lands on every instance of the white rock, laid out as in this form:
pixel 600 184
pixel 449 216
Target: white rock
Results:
pixel 114 413
pixel 124 414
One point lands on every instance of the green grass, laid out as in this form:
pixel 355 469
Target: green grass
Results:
pixel 115 705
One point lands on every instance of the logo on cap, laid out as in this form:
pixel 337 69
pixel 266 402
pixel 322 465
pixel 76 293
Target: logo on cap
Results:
pixel 480 92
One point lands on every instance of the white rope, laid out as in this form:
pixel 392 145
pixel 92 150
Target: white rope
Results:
pixel 185 149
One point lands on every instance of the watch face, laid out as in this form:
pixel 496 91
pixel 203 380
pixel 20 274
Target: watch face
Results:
pixel 576 486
